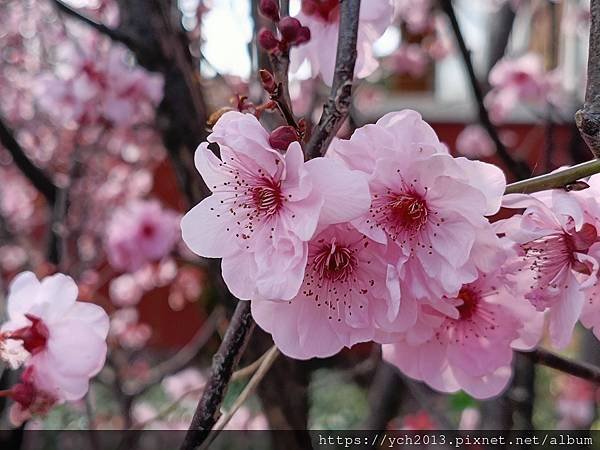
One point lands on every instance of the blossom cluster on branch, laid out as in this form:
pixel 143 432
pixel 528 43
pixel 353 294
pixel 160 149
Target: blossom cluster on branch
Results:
pixel 388 239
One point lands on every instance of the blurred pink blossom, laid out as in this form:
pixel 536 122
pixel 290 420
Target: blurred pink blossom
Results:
pixel 474 142
pixel 409 59
pixel 140 232
pixel 322 18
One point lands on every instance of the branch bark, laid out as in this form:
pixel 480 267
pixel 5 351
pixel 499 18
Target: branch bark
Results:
pixel 340 99
pixel 566 365
pixel 33 173
pixel 588 118
pixel 224 363
pixel 518 168
pixel 114 34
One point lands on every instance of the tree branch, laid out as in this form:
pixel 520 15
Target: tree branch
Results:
pixel 517 168
pixel 114 34
pixel 224 363
pixel 33 173
pixel 554 361
pixel 588 118
pixel 338 106
pixel 564 179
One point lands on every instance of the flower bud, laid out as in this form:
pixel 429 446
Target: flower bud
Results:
pixel 289 28
pixel 267 40
pixel 303 36
pixel 269 9
pixel 267 80
pixel 282 137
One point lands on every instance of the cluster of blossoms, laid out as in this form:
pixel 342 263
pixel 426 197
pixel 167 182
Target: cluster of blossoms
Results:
pixel 387 239
pixel 60 341
pixel 99 87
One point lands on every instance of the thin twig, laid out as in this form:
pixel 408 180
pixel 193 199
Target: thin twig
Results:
pixel 33 173
pixel 566 365
pixel 517 168
pixel 112 33
pixel 224 363
pixel 338 105
pixel 272 355
pixel 588 118
pixel 555 180
pixel 245 372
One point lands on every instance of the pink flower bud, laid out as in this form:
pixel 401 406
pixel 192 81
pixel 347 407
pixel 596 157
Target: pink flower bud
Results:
pixel 267 80
pixel 269 9
pixel 267 40
pixel 303 36
pixel 289 28
pixel 282 137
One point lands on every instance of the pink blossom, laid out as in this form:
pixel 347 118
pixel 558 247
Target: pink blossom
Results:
pixel 416 14
pixel 29 399
pixel 265 208
pixel 246 420
pixel 322 18
pixel 470 346
pixel 343 293
pixel 125 290
pixel 522 79
pixel 428 207
pixel 140 232
pixel 410 59
pixel 559 243
pixel 128 330
pixel 474 142
pixel 181 383
pixel 66 338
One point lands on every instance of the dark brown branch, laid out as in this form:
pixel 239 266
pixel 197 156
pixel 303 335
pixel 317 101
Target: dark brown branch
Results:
pixel 224 363
pixel 33 173
pixel 588 118
pixel 517 168
pixel 338 105
pixel 575 368
pixel 114 34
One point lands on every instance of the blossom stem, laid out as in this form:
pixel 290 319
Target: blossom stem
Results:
pixel 338 105
pixel 517 168
pixel 555 180
pixel 224 362
pixel 575 368
pixel 588 118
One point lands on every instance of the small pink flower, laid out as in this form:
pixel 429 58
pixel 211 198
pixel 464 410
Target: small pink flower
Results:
pixel 343 292
pixel 428 207
pixel 140 232
pixel 322 18
pixel 187 380
pixel 522 79
pixel 474 142
pixel 416 14
pixel 265 208
pixel 558 242
pixel 66 338
pixel 410 59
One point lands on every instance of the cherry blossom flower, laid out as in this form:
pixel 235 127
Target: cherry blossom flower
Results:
pixel 559 243
pixel 343 292
pixel 140 232
pixel 416 14
pixel 322 18
pixel 474 142
pixel 66 338
pixel 265 208
pixel 427 206
pixel 410 59
pixel 29 399
pixel 470 346
pixel 522 79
